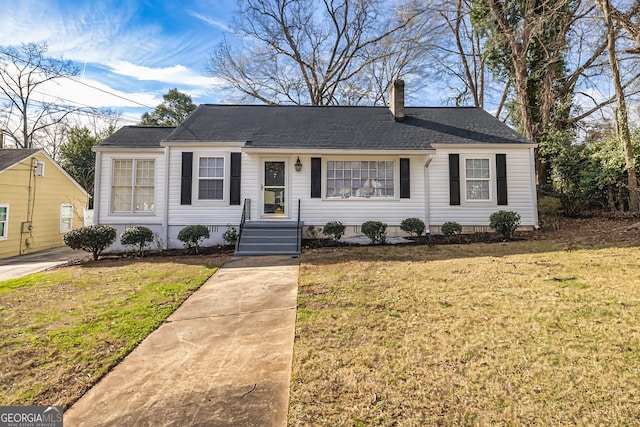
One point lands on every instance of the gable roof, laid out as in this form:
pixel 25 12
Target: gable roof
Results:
pixel 11 156
pixel 138 136
pixel 268 126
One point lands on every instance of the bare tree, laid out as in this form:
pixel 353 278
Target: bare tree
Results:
pixel 52 137
pixel 22 72
pixel 545 49
pixel 626 21
pixel 622 116
pixel 462 57
pixel 311 51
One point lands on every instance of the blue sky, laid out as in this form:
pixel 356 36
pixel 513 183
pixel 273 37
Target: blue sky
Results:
pixel 133 51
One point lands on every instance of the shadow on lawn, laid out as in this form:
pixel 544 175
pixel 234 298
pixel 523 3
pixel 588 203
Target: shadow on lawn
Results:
pixel 526 243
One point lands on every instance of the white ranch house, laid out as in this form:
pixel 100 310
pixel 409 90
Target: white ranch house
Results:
pixel 281 169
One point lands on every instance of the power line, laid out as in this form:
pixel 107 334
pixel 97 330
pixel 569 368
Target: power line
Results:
pixel 58 74
pixel 107 92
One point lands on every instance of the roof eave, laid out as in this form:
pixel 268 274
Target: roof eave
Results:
pixel 443 145
pixel 200 143
pixel 353 151
pixel 128 148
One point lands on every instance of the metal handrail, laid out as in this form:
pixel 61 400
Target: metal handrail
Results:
pixel 243 218
pixel 299 231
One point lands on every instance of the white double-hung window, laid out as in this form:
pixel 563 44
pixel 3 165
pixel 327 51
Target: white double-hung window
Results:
pixel 477 178
pixel 211 178
pixel 360 178
pixel 66 217
pixel 4 221
pixel 133 189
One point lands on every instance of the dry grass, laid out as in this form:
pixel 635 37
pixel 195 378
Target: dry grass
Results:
pixel 524 333
pixel 64 329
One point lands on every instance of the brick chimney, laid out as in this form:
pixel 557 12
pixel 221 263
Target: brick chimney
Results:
pixel 396 100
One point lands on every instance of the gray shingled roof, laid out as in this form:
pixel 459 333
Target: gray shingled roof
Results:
pixel 11 156
pixel 307 127
pixel 138 136
pixel 334 127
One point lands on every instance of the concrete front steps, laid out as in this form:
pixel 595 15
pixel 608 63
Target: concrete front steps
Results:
pixel 270 238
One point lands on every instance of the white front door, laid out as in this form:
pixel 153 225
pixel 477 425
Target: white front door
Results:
pixel 274 188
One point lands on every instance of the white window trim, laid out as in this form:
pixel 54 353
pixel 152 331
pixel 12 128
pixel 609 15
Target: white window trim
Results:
pixel 492 177
pixel 62 229
pixel 133 194
pixel 226 176
pixel 6 228
pixel 396 176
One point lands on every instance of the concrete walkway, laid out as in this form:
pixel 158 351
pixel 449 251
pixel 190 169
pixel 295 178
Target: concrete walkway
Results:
pixel 222 359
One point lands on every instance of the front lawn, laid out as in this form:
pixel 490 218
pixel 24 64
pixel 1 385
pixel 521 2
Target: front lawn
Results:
pixel 522 333
pixel 63 329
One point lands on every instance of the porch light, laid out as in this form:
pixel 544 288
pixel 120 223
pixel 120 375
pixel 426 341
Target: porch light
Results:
pixel 298 165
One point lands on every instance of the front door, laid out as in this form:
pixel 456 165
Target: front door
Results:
pixel 274 188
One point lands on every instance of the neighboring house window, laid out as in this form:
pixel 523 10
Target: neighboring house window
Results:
pixel 211 178
pixel 38 168
pixel 360 178
pixel 133 185
pixel 66 217
pixel 477 179
pixel 4 221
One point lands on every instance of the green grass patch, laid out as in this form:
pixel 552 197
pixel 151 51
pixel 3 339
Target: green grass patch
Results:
pixel 64 329
pixel 523 333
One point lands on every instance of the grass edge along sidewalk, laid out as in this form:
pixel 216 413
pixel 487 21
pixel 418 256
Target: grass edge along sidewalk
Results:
pixel 64 329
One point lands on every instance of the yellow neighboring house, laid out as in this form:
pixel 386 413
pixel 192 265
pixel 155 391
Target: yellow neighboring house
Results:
pixel 39 202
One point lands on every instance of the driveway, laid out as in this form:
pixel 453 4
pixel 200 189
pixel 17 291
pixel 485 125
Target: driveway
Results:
pixel 23 265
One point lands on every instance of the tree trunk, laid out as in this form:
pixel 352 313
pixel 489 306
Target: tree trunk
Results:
pixel 622 119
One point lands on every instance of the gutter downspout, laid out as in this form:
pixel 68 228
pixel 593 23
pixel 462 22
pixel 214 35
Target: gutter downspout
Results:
pixel 165 215
pixel 427 196
pixel 97 180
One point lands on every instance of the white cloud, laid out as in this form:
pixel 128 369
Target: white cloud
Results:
pixel 210 21
pixel 132 59
pixel 177 74
pixel 91 93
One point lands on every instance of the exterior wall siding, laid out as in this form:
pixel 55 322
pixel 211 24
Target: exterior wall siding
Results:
pixel 519 188
pixel 214 214
pixel 48 193
pixel 355 211
pixel 120 221
pixel 429 204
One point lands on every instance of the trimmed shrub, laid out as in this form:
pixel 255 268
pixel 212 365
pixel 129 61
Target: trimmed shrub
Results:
pixel 94 239
pixel 376 231
pixel 414 226
pixel 192 236
pixel 334 229
pixel 505 223
pixel 230 236
pixel 550 211
pixel 451 228
pixel 137 237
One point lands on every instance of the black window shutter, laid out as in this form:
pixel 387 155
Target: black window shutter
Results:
pixel 405 181
pixel 454 179
pixel 234 184
pixel 501 178
pixel 186 182
pixel 316 177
